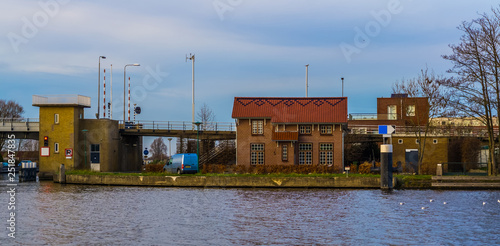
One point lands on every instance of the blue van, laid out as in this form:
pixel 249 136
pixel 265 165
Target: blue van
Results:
pixel 182 163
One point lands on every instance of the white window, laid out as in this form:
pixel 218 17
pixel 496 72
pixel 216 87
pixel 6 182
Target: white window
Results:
pixel 305 129
pixel 326 153
pixel 326 129
pixel 434 141
pixel 400 141
pixel 284 152
pixel 258 127
pixel 392 113
pixel 56 118
pixel 257 154
pixel 410 110
pixel 305 153
pixel 56 147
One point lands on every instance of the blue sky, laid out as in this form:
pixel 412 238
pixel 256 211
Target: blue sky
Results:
pixel 242 48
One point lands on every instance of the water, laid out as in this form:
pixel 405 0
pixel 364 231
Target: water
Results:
pixel 54 214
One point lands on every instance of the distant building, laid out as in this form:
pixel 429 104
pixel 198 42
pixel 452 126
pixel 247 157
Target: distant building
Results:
pixel 290 130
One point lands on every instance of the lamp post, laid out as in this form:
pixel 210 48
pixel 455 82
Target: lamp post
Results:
pixel 198 142
pixel 342 86
pixel 99 88
pixel 85 146
pixel 124 88
pixel 191 57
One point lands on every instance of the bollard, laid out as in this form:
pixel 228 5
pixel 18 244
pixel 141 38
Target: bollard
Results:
pixel 439 170
pixel 62 174
pixel 386 166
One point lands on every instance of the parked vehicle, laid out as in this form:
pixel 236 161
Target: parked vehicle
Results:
pixel 182 163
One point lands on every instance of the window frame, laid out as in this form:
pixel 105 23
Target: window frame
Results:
pixel 305 154
pixel 305 129
pixel 326 154
pixel 257 127
pixel 56 119
pixel 257 154
pixel 410 110
pixel 326 129
pixel 56 148
pixel 284 152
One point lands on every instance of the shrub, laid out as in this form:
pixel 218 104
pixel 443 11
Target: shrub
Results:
pixel 365 168
pixel 153 168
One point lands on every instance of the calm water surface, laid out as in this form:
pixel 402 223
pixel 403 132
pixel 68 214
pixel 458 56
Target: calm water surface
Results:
pixel 54 214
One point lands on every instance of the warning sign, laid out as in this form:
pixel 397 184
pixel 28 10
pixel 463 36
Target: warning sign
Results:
pixel 69 153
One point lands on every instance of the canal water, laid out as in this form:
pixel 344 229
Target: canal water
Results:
pixel 55 214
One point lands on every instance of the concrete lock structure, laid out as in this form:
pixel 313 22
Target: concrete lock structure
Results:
pixel 67 138
pixel 386 166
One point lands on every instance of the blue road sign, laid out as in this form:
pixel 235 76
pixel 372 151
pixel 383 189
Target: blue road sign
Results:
pixel 386 129
pixel 146 152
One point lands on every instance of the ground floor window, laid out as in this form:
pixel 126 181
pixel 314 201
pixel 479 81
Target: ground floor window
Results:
pixel 284 152
pixel 257 154
pixel 326 153
pixel 305 153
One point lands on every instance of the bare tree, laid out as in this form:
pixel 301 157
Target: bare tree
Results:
pixel 9 110
pixel 476 86
pixel 206 116
pixel 425 85
pixel 158 149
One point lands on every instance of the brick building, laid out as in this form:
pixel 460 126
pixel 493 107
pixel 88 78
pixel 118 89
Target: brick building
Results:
pixel 290 130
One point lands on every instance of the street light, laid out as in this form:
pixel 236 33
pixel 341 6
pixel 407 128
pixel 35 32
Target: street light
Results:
pixel 124 87
pixel 99 88
pixel 170 147
pixel 198 142
pixel 191 57
pixel 85 145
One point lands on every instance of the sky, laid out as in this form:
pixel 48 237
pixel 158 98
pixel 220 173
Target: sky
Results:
pixel 251 48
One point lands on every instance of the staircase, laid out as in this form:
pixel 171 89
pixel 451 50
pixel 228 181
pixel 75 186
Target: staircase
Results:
pixel 224 153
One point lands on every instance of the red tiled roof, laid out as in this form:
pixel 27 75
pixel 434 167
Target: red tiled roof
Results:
pixel 292 109
pixel 285 136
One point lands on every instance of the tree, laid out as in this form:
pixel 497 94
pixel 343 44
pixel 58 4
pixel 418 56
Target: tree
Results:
pixel 206 116
pixel 425 85
pixel 9 110
pixel 158 149
pixel 476 65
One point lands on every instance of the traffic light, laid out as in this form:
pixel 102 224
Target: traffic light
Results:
pixel 45 141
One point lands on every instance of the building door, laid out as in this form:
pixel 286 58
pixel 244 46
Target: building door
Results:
pixel 392 113
pixel 95 153
pixel 411 159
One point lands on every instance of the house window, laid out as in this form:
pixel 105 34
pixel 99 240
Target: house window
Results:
pixel 56 118
pixel 326 129
pixel 392 112
pixel 434 141
pixel 417 141
pixel 56 147
pixel 284 152
pixel 257 127
pixel 410 110
pixel 400 141
pixel 257 154
pixel 305 153
pixel 326 153
pixel 305 129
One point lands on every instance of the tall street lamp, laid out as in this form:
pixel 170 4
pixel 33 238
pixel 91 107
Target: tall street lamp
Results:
pixel 170 147
pixel 99 88
pixel 124 88
pixel 191 57
pixel 198 142
pixel 85 146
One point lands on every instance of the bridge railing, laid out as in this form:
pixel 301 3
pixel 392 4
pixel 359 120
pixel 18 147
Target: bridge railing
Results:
pixel 471 131
pixel 19 124
pixel 178 125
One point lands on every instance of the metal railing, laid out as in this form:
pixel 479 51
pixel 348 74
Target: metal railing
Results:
pixel 19 124
pixel 179 126
pixel 432 131
pixel 372 116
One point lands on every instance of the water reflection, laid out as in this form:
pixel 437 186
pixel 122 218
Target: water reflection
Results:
pixel 55 214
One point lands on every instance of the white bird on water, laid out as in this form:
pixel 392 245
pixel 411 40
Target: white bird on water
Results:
pixel 423 207
pixel 444 202
pixel 431 200
pixel 401 203
pixel 498 200
pixel 484 203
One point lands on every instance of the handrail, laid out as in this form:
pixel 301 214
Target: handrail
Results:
pixel 178 125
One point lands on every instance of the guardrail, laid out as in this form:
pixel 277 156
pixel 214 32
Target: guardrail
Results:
pixel 19 124
pixel 178 125
pixel 472 131
pixel 372 116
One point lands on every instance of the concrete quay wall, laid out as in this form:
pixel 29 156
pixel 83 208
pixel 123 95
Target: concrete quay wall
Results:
pixel 218 181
